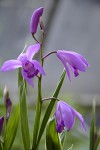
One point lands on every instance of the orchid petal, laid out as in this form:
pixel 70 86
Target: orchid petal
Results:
pixel 72 59
pixel 38 66
pixel 29 80
pixel 32 50
pixel 82 58
pixel 65 65
pixel 79 117
pixel 67 115
pixel 22 57
pixel 11 65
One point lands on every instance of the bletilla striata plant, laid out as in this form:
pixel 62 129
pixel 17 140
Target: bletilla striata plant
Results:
pixel 29 68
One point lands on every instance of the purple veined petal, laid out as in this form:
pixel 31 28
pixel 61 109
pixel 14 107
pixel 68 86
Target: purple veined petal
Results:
pixel 11 65
pixel 22 58
pixel 29 80
pixel 38 66
pixel 72 59
pixel 65 65
pixel 67 116
pixel 32 50
pixel 35 19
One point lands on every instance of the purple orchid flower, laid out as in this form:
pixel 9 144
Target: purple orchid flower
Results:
pixel 35 19
pixel 1 123
pixel 30 68
pixel 65 117
pixel 76 62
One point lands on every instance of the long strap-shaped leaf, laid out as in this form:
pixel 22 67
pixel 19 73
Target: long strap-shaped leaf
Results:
pixel 92 129
pixel 97 141
pixel 11 129
pixel 53 141
pixel 0 146
pixel 50 106
pixel 23 111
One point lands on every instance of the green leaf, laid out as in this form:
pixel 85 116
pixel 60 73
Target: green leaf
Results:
pixel 52 137
pixel 50 106
pixel 11 129
pixel 0 146
pixel 23 111
pixel 97 141
pixel 92 128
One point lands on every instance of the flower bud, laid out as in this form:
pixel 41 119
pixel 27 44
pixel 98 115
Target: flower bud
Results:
pixel 35 19
pixel 1 123
pixel 7 102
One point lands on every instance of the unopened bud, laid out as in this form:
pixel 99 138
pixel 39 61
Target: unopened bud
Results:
pixel 1 123
pixel 35 19
pixel 7 102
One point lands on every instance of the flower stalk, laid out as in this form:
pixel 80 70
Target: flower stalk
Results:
pixel 38 105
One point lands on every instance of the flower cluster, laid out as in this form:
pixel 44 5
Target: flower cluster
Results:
pixel 64 114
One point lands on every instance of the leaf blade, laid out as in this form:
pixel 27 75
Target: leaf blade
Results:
pixel 52 137
pixel 23 111
pixel 11 129
pixel 92 128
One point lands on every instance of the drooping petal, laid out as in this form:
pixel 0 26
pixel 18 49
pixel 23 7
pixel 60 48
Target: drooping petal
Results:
pixel 67 115
pixel 32 50
pixel 73 59
pixel 38 66
pixel 29 80
pixel 11 65
pixel 35 19
pixel 76 113
pixel 65 65
pixel 22 58
pixel 80 117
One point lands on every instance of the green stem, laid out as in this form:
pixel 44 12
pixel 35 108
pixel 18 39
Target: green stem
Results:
pixel 38 106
